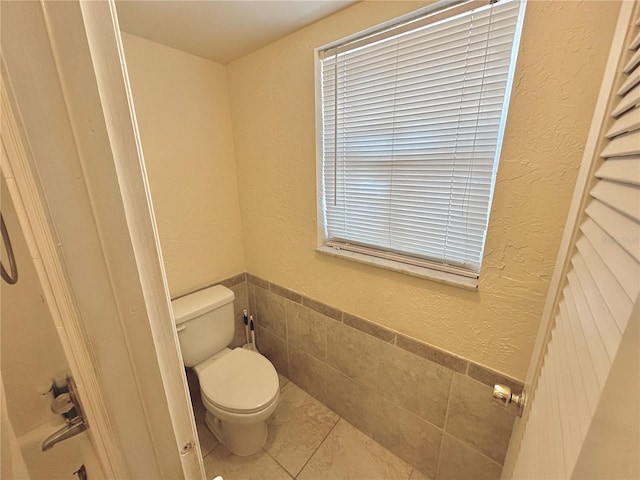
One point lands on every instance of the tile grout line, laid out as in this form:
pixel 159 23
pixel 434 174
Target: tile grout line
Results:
pixel 444 427
pixel 319 445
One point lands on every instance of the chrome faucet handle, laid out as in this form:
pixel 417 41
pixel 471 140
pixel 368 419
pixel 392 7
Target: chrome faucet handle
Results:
pixel 62 404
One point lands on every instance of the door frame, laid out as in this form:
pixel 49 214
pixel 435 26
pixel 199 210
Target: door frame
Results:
pixel 77 177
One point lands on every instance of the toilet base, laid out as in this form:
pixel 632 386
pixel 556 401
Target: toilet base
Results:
pixel 242 439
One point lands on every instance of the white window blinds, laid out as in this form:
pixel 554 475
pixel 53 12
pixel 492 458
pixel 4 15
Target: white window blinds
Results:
pixel 412 124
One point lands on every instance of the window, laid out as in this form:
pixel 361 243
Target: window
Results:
pixel 412 122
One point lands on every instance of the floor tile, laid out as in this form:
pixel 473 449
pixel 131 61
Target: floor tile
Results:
pixel 207 440
pixel 348 453
pixel 461 461
pixel 259 466
pixel 297 428
pixel 283 381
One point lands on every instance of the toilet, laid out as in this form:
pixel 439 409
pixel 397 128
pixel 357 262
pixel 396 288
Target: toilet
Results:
pixel 239 387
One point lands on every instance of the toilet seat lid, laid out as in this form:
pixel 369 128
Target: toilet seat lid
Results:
pixel 241 381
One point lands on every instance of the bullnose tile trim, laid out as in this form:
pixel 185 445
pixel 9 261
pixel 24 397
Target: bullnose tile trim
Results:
pixel 233 281
pixel 322 308
pixel 257 281
pixel 368 327
pixel 490 377
pixel 423 350
pixel 286 293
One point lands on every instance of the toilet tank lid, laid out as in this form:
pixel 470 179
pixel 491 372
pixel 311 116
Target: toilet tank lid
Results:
pixel 195 304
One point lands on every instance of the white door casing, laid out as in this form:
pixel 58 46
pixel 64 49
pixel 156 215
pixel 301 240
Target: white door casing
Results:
pixel 82 155
pixel 591 313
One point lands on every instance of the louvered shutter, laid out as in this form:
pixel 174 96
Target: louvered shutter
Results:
pixel 601 286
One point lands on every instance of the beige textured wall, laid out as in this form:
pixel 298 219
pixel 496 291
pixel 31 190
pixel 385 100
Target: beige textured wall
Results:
pixel 564 47
pixel 182 109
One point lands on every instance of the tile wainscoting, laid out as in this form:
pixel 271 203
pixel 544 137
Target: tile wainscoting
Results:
pixel 431 408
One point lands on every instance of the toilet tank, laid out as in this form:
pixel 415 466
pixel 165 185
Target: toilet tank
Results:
pixel 204 322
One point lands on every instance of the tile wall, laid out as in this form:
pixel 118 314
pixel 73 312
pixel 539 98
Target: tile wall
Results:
pixel 431 408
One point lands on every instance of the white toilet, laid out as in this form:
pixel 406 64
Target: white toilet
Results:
pixel 239 387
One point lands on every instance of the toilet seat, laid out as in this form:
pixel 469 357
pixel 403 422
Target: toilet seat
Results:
pixel 242 381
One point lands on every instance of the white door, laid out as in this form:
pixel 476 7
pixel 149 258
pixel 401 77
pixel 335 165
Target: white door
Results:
pixel 75 163
pixel 582 418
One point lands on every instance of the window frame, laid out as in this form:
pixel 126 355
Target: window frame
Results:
pixel 428 269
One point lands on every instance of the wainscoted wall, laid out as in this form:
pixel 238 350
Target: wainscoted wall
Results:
pixel 431 408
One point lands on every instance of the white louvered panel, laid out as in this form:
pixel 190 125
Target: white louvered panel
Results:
pixel 624 198
pixel 620 227
pixel 623 169
pixel 614 296
pixel 557 469
pixel 597 352
pixel 567 399
pixel 581 404
pixel 566 416
pixel 546 437
pixel 590 305
pixel 626 123
pixel 633 63
pixel 587 369
pixel 631 99
pixel 631 82
pixel 625 144
pixel 622 265
pixel 635 43
pixel 628 101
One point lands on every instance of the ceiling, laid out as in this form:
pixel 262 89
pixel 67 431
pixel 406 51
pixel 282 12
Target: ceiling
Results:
pixel 220 30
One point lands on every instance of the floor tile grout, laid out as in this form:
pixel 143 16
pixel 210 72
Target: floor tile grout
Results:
pixel 323 442
pixel 319 445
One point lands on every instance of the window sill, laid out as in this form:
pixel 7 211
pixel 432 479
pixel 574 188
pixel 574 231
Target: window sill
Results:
pixel 413 270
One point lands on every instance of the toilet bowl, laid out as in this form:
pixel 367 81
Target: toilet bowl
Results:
pixel 239 387
pixel 240 391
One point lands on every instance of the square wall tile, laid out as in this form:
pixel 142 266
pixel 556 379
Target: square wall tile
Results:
pixel 354 353
pixel 307 329
pixel 309 373
pixel 270 312
pixel 358 405
pixel 415 383
pixel 413 439
pixel 274 348
pixel 458 461
pixel 475 419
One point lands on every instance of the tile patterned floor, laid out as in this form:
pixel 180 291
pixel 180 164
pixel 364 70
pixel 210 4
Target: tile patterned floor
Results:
pixel 307 441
